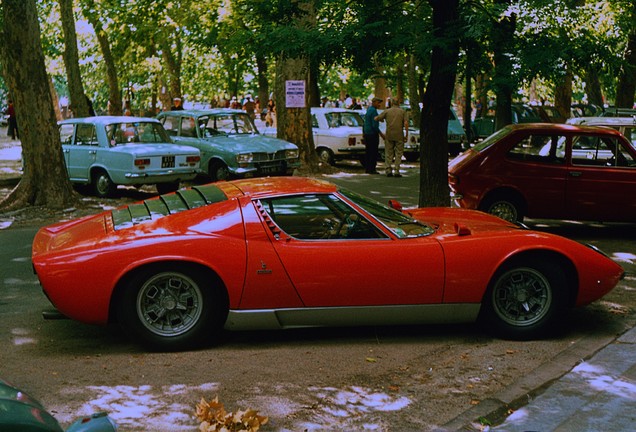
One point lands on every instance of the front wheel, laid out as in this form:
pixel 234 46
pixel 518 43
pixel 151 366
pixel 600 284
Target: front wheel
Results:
pixel 525 299
pixel 171 309
pixel 508 209
pixel 325 155
pixel 218 171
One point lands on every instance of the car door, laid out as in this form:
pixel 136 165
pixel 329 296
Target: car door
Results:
pixel 336 256
pixel 83 152
pixel 601 179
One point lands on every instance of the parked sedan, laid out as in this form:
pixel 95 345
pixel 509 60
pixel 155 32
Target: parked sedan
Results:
pixel 625 125
pixel 107 151
pixel 549 171
pixel 289 252
pixel 230 144
pixel 484 125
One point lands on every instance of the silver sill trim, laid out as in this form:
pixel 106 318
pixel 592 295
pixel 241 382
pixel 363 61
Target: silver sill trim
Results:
pixel 278 319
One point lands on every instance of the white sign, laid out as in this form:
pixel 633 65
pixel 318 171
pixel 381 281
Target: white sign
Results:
pixel 295 94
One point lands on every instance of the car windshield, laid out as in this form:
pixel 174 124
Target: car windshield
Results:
pixel 340 119
pixel 399 223
pixel 136 133
pixel 225 124
pixel 492 139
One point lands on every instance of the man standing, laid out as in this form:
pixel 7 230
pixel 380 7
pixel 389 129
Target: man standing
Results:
pixel 176 105
pixel 371 133
pixel 396 124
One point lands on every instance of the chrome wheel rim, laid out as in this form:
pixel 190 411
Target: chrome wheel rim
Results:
pixel 522 297
pixel 504 210
pixel 169 304
pixel 324 156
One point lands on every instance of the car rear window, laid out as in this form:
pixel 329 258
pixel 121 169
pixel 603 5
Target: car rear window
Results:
pixel 164 205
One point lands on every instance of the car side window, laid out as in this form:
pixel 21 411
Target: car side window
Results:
pixel 314 121
pixel 549 149
pixel 601 152
pixel 316 217
pixel 171 125
pixel 66 133
pixel 188 127
pixel 85 135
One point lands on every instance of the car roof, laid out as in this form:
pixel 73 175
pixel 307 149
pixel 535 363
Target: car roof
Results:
pixel 603 121
pixel 106 120
pixel 562 127
pixel 202 112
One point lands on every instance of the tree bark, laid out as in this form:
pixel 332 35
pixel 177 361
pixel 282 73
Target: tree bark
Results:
pixel 414 95
pixel 79 102
pixel 114 94
pixel 45 180
pixel 504 81
pixel 173 66
pixel 263 84
pixel 593 86
pixel 434 189
pixel 626 86
pixel 294 124
pixel 563 96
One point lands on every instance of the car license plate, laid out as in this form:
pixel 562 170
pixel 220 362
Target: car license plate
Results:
pixel 167 162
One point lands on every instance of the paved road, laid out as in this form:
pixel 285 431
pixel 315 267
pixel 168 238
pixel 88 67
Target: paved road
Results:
pixel 392 379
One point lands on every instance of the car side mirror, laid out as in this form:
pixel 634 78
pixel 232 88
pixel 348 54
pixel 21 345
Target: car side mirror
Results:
pixel 396 205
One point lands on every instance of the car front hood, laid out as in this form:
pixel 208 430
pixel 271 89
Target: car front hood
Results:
pixel 251 143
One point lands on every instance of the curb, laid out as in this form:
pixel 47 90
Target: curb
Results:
pixel 9 182
pixel 495 410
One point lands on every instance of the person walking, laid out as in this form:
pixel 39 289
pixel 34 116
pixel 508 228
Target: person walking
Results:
pixel 12 121
pixel 371 134
pixel 396 125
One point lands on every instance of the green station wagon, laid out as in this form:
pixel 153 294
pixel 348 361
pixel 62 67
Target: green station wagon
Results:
pixel 106 151
pixel 230 144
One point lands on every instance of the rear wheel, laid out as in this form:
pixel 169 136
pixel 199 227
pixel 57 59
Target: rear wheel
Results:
pixel 103 185
pixel 171 309
pixel 525 299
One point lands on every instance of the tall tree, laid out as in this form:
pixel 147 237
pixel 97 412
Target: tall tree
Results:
pixel 626 87
pixel 44 181
pixel 79 102
pixel 439 90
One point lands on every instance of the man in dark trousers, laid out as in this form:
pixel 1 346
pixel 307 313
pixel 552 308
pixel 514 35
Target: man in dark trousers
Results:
pixel 371 132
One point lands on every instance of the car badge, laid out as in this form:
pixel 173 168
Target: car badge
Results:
pixel 264 269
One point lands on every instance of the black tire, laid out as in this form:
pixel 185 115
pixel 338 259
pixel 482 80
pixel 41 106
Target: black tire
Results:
pixel 103 185
pixel 218 170
pixel 505 207
pixel 169 308
pixel 164 188
pixel 325 155
pixel 525 299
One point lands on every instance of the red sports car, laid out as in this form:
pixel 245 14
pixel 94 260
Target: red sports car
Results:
pixel 275 253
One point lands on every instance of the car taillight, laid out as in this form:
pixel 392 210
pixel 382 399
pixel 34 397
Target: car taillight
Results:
pixel 352 141
pixel 141 162
pixel 193 159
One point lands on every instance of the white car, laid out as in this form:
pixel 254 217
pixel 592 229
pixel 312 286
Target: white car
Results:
pixel 625 125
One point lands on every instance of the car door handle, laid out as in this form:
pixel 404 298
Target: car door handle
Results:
pixel 575 173
pixel 92 152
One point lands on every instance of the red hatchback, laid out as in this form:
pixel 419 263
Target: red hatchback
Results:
pixel 551 171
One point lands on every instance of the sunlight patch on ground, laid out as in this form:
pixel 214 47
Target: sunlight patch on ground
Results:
pixel 626 257
pixel 600 381
pixel 5 223
pixel 20 336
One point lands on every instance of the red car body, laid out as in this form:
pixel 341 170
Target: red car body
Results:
pixel 263 253
pixel 550 171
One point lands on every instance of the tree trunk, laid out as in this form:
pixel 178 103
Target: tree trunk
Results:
pixel 263 84
pixel 45 180
pixel 504 81
pixel 173 66
pixel 434 189
pixel 414 95
pixel 563 96
pixel 114 94
pixel 294 124
pixel 593 86
pixel 627 76
pixel 79 102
